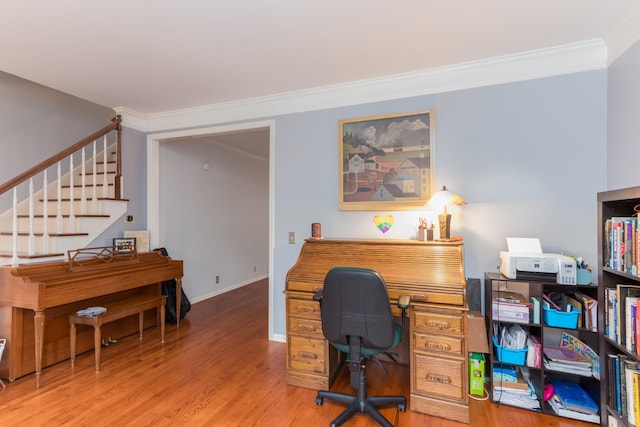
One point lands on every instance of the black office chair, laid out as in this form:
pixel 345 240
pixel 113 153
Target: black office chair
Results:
pixel 356 318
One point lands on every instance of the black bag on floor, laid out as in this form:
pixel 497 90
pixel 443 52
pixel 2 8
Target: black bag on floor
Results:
pixel 169 289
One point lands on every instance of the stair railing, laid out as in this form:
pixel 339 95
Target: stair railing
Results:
pixel 65 156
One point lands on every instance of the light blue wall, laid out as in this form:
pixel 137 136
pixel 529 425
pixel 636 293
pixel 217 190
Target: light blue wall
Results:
pixel 37 122
pixel 134 187
pixel 623 135
pixel 528 158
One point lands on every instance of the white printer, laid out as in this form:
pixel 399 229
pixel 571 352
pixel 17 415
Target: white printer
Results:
pixel 527 262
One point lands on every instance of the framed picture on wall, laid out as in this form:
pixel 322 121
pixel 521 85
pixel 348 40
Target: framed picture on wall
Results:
pixel 386 161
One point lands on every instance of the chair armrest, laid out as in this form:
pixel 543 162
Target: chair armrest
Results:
pixel 403 301
pixel 318 296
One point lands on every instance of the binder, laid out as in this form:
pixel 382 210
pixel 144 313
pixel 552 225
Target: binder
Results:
pixel 574 397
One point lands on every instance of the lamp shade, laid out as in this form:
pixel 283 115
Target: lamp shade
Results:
pixel 440 200
pixel 445 197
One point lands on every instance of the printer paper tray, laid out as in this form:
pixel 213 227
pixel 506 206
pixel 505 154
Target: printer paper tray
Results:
pixel 536 277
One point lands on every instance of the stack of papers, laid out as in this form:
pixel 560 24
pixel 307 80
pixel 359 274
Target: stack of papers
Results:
pixel 516 391
pixel 567 360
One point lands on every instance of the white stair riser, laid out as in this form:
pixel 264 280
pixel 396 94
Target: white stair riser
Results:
pixel 88 191
pixel 93 226
pixel 52 224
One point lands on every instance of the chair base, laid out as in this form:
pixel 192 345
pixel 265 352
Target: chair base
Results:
pixel 362 404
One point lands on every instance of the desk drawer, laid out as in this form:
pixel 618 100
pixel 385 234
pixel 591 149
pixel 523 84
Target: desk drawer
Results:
pixel 309 309
pixel 440 344
pixel 304 326
pixel 306 354
pixel 438 377
pixel 438 322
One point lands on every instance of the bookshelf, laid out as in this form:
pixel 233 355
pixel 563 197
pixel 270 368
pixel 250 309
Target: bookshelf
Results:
pixel 549 336
pixel 617 277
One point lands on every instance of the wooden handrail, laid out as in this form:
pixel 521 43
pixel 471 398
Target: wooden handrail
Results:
pixel 116 125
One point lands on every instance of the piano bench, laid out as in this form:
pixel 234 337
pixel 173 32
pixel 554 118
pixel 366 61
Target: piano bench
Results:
pixel 116 310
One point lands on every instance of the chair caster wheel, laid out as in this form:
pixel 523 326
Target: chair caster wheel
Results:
pixel 319 400
pixel 402 407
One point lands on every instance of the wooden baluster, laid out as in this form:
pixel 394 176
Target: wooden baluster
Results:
pixel 94 167
pixel 72 217
pixel 59 198
pixel 45 214
pixel 105 187
pixel 31 232
pixel 83 183
pixel 14 260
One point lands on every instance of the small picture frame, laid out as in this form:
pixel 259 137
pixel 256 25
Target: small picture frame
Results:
pixel 125 244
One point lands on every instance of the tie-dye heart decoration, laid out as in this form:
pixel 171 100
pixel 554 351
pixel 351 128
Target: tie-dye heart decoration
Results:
pixel 383 222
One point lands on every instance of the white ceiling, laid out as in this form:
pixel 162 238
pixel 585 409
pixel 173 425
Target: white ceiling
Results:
pixel 165 55
pixel 160 56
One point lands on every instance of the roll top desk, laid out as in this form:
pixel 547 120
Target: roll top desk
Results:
pixel 431 273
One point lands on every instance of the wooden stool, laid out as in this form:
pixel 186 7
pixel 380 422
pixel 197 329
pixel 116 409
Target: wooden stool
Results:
pixel 116 310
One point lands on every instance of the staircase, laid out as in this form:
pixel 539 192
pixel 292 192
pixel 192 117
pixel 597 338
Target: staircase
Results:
pixel 71 211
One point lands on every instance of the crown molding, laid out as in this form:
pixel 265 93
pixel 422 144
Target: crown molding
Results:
pixel 566 59
pixel 625 35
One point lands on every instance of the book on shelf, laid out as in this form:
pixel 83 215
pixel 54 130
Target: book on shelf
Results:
pixel 589 309
pixel 613 385
pixel 611 296
pixel 630 392
pixel 535 310
pixel 534 352
pixel 620 250
pixel 564 359
pixel 624 291
pixel 577 306
pixel 557 407
pixel 630 322
pixel 569 341
pixel 612 421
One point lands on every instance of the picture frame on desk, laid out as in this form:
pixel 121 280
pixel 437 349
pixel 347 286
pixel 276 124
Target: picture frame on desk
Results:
pixel 124 245
pixel 386 161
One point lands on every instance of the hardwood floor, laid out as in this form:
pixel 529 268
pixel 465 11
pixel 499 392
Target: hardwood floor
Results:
pixel 218 369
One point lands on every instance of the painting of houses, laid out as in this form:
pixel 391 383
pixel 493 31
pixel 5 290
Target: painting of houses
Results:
pixel 386 161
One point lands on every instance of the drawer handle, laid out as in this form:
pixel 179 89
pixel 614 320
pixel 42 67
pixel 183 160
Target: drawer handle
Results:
pixel 440 324
pixel 421 298
pixel 308 328
pixel 306 309
pixel 439 346
pixel 440 379
pixel 308 356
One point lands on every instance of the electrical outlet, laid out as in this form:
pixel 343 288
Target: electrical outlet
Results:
pixel 254 268
pixel 292 237
pixel 217 279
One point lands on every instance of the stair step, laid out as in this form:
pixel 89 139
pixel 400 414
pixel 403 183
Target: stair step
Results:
pixel 78 199
pixel 67 216
pixel 109 184
pixel 24 255
pixel 9 233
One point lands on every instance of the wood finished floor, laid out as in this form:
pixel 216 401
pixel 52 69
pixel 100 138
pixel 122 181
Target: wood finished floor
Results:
pixel 218 369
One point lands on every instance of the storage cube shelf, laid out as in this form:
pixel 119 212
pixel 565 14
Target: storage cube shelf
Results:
pixel 548 331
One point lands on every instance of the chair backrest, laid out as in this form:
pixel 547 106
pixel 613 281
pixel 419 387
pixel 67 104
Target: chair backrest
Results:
pixel 355 303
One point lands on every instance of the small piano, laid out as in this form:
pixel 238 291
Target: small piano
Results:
pixel 32 294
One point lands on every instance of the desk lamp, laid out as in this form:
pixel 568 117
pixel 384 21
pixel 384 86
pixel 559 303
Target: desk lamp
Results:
pixel 444 198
